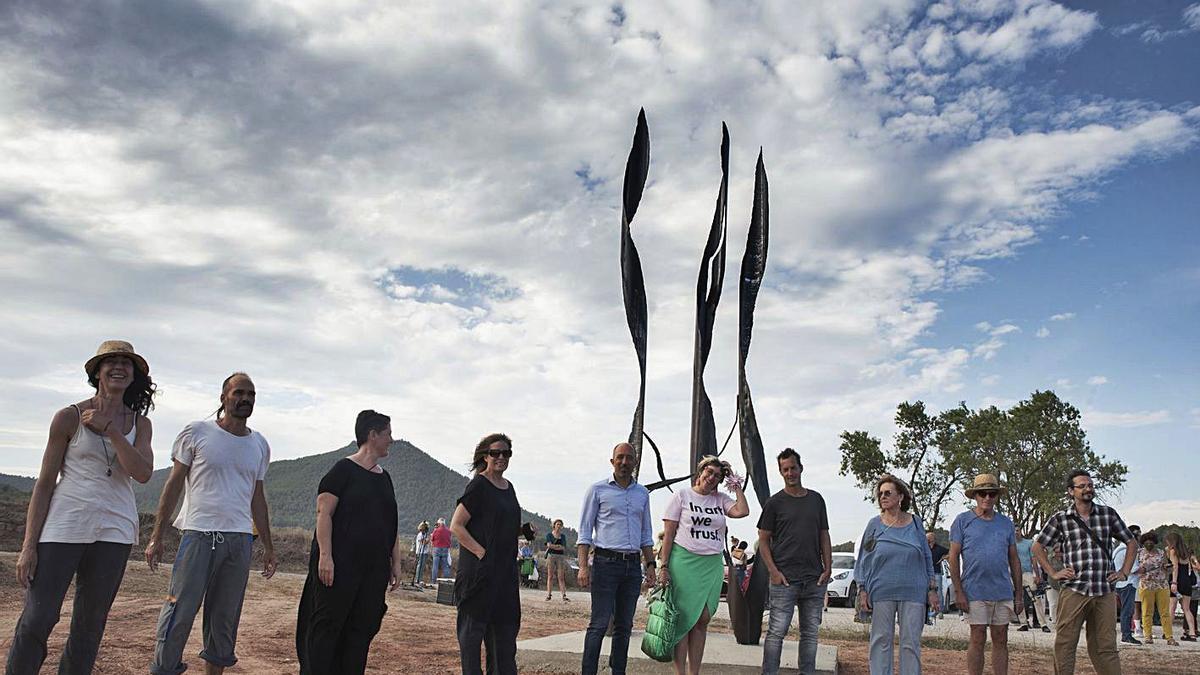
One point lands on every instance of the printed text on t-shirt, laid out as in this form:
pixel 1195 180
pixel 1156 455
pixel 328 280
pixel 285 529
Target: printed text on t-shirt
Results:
pixel 705 521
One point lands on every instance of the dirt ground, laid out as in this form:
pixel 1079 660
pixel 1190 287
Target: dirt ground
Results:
pixel 417 634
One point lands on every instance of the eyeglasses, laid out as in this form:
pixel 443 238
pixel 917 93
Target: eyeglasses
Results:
pixel 886 493
pixel 990 494
pixel 500 453
pixel 1083 486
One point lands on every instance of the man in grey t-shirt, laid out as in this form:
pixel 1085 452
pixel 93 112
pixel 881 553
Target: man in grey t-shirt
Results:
pixel 793 542
pixel 222 464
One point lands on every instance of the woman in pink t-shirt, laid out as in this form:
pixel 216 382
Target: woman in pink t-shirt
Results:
pixel 692 552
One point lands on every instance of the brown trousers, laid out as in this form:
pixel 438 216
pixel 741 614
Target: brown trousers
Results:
pixel 1100 615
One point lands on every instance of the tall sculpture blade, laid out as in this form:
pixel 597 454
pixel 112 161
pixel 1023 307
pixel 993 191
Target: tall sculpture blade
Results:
pixel 633 286
pixel 708 296
pixel 754 266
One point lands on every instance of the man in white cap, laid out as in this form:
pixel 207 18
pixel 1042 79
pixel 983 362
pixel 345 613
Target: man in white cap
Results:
pixel 986 572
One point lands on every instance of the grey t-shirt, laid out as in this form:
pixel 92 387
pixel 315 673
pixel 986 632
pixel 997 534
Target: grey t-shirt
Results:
pixel 795 524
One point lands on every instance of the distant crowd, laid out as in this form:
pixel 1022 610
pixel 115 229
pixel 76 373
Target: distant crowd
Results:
pixel 82 522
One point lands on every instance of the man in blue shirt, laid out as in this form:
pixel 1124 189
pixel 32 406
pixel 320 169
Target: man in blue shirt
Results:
pixel 615 526
pixel 987 579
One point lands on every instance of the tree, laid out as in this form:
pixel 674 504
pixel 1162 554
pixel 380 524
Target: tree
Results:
pixel 1031 448
pixel 916 458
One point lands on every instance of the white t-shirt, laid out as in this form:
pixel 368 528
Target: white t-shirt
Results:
pixel 220 484
pixel 701 520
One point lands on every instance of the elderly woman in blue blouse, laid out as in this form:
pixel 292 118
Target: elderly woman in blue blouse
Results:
pixel 895 576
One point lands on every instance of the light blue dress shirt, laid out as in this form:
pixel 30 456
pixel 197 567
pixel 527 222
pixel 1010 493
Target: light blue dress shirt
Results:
pixel 616 518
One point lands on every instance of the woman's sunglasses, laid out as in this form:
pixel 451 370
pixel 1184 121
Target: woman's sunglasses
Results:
pixel 500 453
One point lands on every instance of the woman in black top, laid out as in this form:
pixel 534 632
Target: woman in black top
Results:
pixel 556 549
pixel 487 522
pixel 355 553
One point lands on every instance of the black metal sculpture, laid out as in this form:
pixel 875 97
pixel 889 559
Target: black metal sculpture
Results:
pixel 746 609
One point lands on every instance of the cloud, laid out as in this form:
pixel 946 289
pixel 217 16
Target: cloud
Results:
pixel 1191 16
pixel 1152 33
pixel 1152 514
pixel 1127 420
pixel 429 226
pixel 1065 316
pixel 1097 380
pixel 1042 332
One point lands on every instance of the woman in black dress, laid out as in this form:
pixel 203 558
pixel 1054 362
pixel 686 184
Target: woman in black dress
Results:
pixel 354 556
pixel 487 522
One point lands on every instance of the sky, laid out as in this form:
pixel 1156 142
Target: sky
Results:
pixel 416 209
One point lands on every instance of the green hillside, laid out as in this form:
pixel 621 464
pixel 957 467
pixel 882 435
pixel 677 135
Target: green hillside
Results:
pixel 425 488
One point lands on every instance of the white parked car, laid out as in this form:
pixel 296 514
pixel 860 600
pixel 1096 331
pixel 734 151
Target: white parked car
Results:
pixel 842 588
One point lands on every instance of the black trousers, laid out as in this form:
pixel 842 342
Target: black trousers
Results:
pixel 337 623
pixel 97 569
pixel 500 640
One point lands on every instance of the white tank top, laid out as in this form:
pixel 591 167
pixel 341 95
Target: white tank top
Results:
pixel 88 505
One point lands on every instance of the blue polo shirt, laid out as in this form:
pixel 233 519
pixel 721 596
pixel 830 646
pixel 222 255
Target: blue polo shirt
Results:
pixel 616 518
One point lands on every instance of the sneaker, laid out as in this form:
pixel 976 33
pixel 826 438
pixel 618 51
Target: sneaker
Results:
pixel 1131 640
pixel 1024 627
pixel 1045 629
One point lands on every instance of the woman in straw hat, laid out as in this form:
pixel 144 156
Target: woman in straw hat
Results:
pixel 83 524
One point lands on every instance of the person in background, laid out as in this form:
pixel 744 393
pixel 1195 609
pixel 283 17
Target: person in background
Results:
pixel 1154 588
pixel 421 549
pixel 1127 590
pixel 1181 583
pixel 894 573
pixel 1085 530
pixel 986 572
pixel 487 522
pixel 1031 583
pixel 938 553
pixel 556 560
pixel 81 526
pixel 355 556
pixel 440 541
pixel 525 561
pixel 695 526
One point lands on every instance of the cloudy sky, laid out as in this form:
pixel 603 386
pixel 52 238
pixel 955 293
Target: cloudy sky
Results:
pixel 417 208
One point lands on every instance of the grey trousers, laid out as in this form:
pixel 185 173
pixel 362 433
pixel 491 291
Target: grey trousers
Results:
pixel 97 569
pixel 210 568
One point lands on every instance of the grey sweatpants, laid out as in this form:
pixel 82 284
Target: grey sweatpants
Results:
pixel 210 567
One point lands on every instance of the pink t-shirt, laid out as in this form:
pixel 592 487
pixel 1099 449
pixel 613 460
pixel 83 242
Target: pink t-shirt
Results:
pixel 701 520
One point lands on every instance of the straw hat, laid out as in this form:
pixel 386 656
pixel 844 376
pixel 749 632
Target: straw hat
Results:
pixel 983 482
pixel 115 348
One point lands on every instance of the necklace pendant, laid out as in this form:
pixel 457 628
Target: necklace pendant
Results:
pixel 108 472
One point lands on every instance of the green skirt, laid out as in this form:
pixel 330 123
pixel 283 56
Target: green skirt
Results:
pixel 695 584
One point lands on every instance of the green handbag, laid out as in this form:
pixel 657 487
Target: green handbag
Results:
pixel 658 642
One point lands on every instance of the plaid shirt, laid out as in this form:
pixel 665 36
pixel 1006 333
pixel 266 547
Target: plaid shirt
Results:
pixel 1091 563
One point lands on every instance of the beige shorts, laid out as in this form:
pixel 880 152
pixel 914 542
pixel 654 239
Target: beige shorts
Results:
pixel 990 613
pixel 555 562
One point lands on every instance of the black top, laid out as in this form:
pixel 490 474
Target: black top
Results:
pixel 795 524
pixel 938 552
pixel 560 540
pixel 364 522
pixel 488 589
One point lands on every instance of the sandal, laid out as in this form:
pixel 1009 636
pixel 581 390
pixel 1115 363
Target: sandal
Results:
pixel 565 598
pixel 1172 642
pixel 1148 640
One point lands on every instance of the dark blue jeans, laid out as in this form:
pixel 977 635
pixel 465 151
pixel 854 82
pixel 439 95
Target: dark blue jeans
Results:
pixel 616 585
pixel 1127 596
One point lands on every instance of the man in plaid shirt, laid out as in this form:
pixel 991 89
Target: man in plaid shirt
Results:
pixel 1085 531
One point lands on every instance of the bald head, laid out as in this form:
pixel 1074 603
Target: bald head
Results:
pixel 624 459
pixel 237 396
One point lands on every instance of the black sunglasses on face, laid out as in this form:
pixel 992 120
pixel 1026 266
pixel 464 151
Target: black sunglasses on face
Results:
pixel 500 453
pixel 987 493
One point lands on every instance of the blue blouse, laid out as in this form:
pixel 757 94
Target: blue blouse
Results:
pixel 899 565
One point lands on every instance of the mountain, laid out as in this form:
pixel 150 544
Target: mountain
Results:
pixel 425 488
